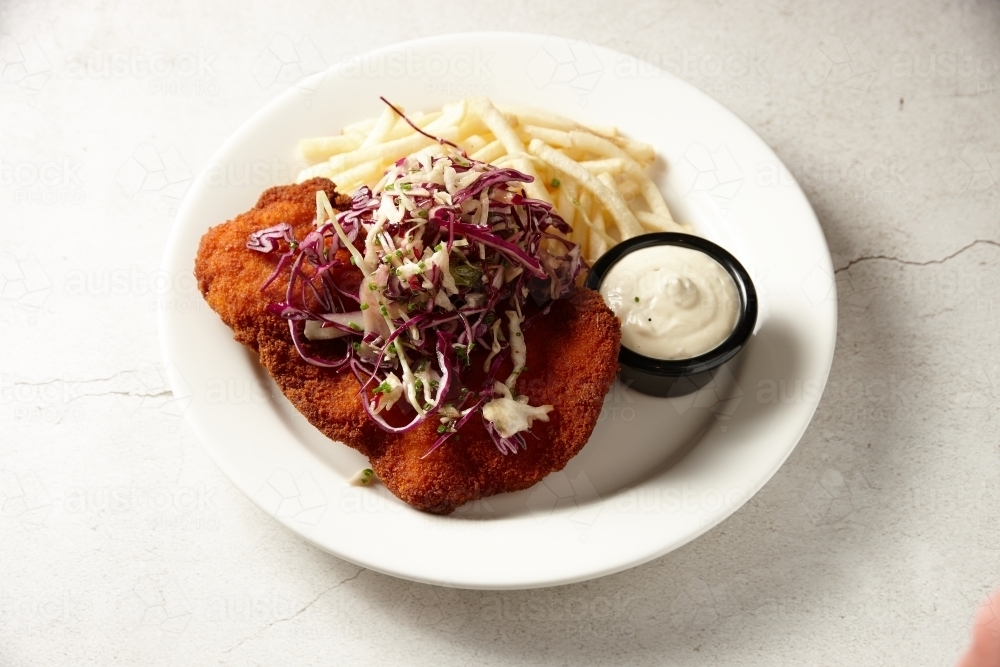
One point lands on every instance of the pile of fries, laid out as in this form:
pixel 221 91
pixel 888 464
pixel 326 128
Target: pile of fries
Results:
pixel 595 177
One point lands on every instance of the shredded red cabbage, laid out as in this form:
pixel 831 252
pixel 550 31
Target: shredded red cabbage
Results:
pixel 445 251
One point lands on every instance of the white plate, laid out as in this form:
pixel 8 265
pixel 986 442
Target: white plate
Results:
pixel 657 472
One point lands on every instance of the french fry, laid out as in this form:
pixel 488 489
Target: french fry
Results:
pixel 644 153
pixel 627 223
pixel 321 148
pixel 359 175
pixel 608 180
pixel 497 124
pixel 491 152
pixel 611 165
pixel 505 134
pixel 593 175
pixel 472 124
pixel 564 202
pixel 657 223
pixel 361 127
pixel 592 227
pixel 443 127
pixel 382 128
pixel 599 227
pixel 605 147
pixel 556 138
pixel 553 121
pixel 539 117
pixel 574 153
pixel 402 128
pixel 606 131
pixel 317 170
pixel 651 194
pixel 628 189
pixel 402 146
pixel 473 143
pixel 581 232
pixel 598 246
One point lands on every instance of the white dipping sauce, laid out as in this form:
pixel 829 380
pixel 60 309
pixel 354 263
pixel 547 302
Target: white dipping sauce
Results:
pixel 673 302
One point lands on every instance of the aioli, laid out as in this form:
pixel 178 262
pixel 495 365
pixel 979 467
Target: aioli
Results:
pixel 673 302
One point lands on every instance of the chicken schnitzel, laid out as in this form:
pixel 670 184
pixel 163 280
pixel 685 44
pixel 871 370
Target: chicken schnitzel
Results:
pixel 572 360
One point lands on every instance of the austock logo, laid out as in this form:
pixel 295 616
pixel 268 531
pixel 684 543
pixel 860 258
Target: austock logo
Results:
pixel 838 62
pixel 838 499
pixel 967 74
pixel 286 61
pixel 619 404
pixel 258 174
pixel 984 609
pixel 57 400
pixel 849 64
pixel 162 605
pixel 566 63
pixel 714 172
pixel 135 280
pixel 37 613
pixel 731 73
pixel 704 503
pixel 181 74
pixel 818 285
pixel 146 388
pixel 220 391
pixel 852 293
pixel 721 396
pixel 880 180
pixel 979 387
pixel 160 500
pixel 24 64
pixel 701 605
pixel 294 499
pixel 48 182
pixel 562 492
pixel 23 499
pixel 435 608
pixel 471 518
pixel 462 64
pixel 150 170
pixel 973 171
pixel 594 617
pixel 23 281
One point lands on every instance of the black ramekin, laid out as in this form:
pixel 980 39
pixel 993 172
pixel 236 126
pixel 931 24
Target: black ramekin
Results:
pixel 676 377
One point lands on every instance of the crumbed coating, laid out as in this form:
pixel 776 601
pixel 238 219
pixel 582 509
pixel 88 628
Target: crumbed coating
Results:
pixel 572 361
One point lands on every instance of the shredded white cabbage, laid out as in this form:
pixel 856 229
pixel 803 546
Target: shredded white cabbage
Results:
pixel 394 252
pixel 365 477
pixel 316 331
pixel 510 416
pixel 440 258
pixel 495 348
pixel 391 394
pixel 518 350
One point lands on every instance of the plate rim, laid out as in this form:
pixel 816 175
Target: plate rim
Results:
pixel 178 384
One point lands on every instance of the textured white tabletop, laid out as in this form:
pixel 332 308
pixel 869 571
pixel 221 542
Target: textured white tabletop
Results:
pixel 120 541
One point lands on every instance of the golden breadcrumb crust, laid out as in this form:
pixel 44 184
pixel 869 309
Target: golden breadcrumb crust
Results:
pixel 572 361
